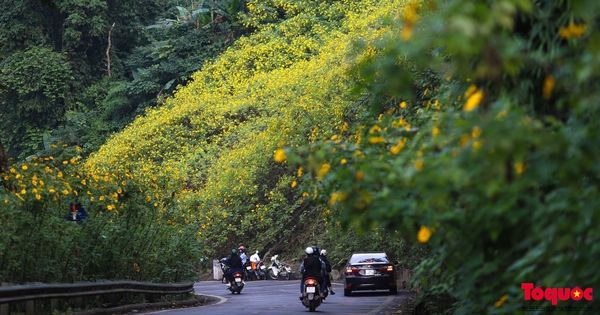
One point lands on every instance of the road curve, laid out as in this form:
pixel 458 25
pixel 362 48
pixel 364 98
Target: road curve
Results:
pixel 281 297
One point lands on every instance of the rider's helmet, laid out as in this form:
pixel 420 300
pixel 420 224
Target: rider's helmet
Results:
pixel 315 249
pixel 233 251
pixel 309 251
pixel 323 252
pixel 242 248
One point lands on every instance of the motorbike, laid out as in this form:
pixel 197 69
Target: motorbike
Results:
pixel 311 297
pixel 255 270
pixel 237 284
pixel 224 268
pixel 278 269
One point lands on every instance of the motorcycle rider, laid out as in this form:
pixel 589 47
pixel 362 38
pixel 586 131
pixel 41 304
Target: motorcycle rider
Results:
pixel 322 281
pixel 327 270
pixel 242 251
pixel 235 265
pixel 255 260
pixel 310 268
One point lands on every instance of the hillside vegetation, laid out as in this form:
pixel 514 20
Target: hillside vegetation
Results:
pixel 467 127
pixel 186 182
pixel 208 152
pixel 482 144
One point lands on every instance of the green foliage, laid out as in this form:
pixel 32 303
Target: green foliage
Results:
pixel 157 69
pixel 36 88
pixel 124 237
pixel 340 243
pixel 482 132
pixel 211 144
pixel 197 174
pixel 146 65
pixel 480 142
pixel 17 19
pixel 52 55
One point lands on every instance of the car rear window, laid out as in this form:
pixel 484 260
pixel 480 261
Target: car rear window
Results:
pixel 369 258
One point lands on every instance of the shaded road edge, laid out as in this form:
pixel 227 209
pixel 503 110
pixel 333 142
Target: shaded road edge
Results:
pixel 204 300
pixel 401 303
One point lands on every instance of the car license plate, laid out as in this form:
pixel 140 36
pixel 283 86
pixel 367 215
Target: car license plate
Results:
pixel 369 272
pixel 310 289
pixel 238 279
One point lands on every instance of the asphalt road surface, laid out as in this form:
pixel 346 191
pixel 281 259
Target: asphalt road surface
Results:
pixel 281 297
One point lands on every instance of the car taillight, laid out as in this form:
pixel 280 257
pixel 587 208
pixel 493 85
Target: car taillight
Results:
pixel 389 268
pixel 311 282
pixel 352 270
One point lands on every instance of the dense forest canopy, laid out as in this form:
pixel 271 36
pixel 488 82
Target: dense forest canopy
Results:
pixel 76 71
pixel 460 135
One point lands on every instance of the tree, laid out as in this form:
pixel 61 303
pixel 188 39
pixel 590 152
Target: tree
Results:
pixel 480 143
pixel 37 94
pixel 75 30
pixel 3 159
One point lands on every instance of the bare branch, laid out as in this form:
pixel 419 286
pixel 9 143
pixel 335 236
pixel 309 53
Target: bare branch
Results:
pixel 108 49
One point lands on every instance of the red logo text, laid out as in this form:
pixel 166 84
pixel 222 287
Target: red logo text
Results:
pixel 556 294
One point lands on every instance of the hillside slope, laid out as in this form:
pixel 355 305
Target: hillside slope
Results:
pixel 207 154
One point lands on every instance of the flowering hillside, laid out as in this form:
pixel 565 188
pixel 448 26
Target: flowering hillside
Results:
pixel 480 143
pixel 207 154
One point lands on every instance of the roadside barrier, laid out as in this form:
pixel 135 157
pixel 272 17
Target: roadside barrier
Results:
pixel 105 293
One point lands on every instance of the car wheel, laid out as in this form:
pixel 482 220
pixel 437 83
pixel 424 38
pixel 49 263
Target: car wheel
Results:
pixel 394 291
pixel 347 292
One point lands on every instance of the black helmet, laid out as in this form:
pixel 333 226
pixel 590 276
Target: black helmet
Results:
pixel 315 249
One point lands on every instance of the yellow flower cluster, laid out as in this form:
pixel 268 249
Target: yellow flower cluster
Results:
pixel 474 97
pixel 572 30
pixel 424 234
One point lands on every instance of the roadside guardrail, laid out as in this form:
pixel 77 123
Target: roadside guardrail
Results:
pixel 110 292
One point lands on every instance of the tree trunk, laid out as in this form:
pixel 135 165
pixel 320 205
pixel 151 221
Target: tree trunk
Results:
pixel 3 159
pixel 108 50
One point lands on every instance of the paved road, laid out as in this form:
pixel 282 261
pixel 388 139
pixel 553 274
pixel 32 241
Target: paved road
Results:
pixel 281 297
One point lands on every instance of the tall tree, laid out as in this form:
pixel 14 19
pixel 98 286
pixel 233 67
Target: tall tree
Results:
pixel 53 53
pixel 3 159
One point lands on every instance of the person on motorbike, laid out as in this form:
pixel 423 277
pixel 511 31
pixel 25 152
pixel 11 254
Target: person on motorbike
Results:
pixel 235 265
pixel 327 270
pixel 255 258
pixel 322 281
pixel 242 251
pixel 255 261
pixel 310 268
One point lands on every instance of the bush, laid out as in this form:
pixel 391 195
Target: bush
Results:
pixel 480 143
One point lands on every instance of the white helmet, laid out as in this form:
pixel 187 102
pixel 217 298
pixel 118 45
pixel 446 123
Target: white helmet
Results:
pixel 323 252
pixel 309 251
